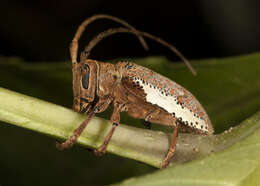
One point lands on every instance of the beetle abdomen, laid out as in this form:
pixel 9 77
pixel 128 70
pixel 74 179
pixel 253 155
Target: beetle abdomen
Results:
pixel 169 96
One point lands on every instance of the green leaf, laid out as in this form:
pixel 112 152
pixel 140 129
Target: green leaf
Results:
pixel 236 165
pixel 139 144
pixel 227 88
pixel 230 166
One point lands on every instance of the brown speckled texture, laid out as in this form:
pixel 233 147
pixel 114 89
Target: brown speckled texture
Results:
pixel 167 88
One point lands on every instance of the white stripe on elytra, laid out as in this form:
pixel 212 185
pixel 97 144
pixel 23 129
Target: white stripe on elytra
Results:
pixel 169 103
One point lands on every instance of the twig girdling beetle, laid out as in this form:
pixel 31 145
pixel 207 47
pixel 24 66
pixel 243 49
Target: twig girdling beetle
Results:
pixel 131 88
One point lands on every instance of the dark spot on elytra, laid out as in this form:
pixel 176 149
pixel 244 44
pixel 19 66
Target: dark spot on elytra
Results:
pixel 129 65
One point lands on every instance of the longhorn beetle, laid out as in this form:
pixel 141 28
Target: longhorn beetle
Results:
pixel 131 88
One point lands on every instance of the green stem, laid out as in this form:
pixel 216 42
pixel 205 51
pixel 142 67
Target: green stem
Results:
pixel 139 144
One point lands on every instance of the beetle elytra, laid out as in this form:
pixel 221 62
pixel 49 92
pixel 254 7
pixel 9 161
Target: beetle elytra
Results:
pixel 139 91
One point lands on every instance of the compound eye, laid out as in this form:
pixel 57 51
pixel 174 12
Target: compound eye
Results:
pixel 85 76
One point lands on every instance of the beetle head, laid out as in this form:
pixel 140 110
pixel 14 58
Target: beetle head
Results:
pixel 84 85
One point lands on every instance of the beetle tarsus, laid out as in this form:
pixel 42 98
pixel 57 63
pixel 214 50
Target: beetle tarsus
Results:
pixel 102 149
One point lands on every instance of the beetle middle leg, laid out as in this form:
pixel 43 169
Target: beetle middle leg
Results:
pixel 147 124
pixel 151 113
pixel 115 119
pixel 148 116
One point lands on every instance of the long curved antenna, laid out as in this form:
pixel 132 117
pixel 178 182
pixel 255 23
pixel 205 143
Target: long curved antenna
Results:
pixel 84 24
pixel 112 31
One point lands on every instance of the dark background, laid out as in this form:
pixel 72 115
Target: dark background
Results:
pixel 42 30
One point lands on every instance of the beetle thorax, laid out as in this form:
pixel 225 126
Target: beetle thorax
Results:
pixel 107 78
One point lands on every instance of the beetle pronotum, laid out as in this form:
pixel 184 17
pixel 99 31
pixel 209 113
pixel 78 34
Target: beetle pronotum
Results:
pixel 137 90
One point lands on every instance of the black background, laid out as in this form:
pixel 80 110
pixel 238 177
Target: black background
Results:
pixel 42 30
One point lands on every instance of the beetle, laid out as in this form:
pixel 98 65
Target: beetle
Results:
pixel 131 88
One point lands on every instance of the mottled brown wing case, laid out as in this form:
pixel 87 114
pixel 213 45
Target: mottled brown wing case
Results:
pixel 168 95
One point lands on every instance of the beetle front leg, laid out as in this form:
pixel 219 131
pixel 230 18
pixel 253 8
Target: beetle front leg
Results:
pixel 76 133
pixel 101 105
pixel 115 119
pixel 172 148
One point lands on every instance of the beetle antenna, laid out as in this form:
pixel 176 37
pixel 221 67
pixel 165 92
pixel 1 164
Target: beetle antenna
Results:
pixel 172 48
pixel 84 24
pixel 112 31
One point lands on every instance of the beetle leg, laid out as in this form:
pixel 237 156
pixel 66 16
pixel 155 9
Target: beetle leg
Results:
pixel 172 148
pixel 115 119
pixel 151 113
pixel 147 124
pixel 76 133
pixel 101 105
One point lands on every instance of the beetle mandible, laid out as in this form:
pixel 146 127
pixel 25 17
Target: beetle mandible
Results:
pixel 139 91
